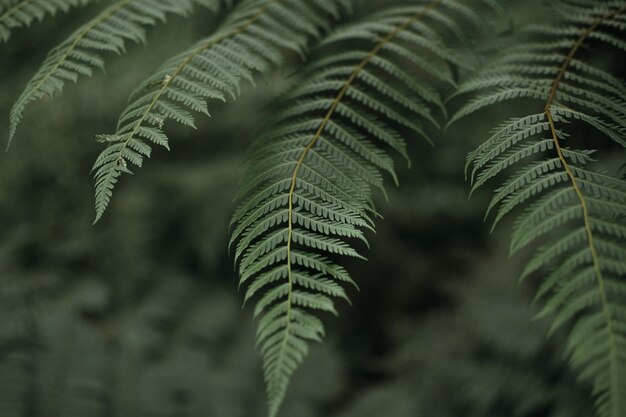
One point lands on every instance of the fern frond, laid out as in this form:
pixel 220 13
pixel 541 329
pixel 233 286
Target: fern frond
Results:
pixel 19 13
pixel 81 53
pixel 250 41
pixel 576 211
pixel 307 194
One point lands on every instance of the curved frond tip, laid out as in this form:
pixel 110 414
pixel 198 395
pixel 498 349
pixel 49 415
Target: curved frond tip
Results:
pixel 306 198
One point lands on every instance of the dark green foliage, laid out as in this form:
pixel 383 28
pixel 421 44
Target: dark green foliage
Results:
pixel 212 69
pixel 307 196
pixel 572 206
pixel 79 55
pixel 18 13
pixel 132 319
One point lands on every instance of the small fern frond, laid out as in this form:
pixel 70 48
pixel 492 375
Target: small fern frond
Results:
pixel 19 13
pixel 249 42
pixel 306 197
pixel 574 210
pixel 80 54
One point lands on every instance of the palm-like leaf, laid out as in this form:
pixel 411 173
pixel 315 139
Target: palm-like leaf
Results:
pixel 579 211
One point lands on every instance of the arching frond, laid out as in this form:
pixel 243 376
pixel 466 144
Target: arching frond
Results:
pixel 306 197
pixel 18 13
pixel 251 40
pixel 80 54
pixel 577 212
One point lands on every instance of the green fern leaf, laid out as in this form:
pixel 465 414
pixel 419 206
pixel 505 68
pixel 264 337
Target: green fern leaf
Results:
pixel 575 210
pixel 307 194
pixel 79 54
pixel 19 13
pixel 249 42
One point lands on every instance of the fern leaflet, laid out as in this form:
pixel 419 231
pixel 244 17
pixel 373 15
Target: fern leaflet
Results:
pixel 81 52
pixel 577 209
pixel 307 193
pixel 249 41
pixel 15 14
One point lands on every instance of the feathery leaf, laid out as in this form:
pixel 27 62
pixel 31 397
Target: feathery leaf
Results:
pixel 575 210
pixel 18 13
pixel 248 42
pixel 81 53
pixel 307 194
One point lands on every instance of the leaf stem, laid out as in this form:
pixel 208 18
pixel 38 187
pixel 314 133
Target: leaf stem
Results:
pixel 614 371
pixel 342 92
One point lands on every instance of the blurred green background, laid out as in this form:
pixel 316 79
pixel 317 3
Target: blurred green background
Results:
pixel 140 314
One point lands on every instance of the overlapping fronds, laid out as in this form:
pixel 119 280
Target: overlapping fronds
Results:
pixel 81 53
pixel 18 13
pixel 251 40
pixel 575 211
pixel 307 195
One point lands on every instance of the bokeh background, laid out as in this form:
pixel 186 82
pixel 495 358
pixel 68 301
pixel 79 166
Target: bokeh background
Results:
pixel 140 314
